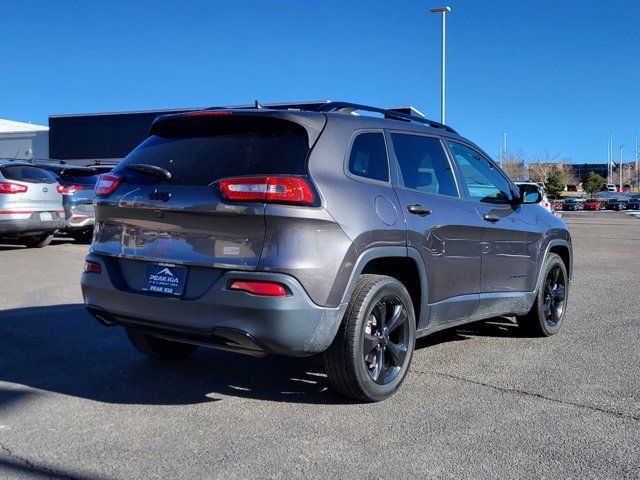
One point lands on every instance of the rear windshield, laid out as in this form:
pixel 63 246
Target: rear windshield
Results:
pixel 80 179
pixel 199 151
pixel 27 173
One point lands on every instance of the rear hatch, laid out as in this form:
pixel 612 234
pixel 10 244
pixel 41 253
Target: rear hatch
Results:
pixel 34 192
pixel 78 188
pixel 169 204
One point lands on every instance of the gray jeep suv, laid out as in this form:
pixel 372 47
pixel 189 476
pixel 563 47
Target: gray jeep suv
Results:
pixel 317 230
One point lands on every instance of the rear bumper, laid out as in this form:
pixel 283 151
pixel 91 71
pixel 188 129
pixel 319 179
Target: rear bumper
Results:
pixel 15 227
pixel 79 217
pixel 219 318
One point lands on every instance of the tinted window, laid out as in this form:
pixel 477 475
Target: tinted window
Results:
pixel 27 173
pixel 80 180
pixel 79 176
pixel 369 157
pixel 200 151
pixel 484 182
pixel 423 164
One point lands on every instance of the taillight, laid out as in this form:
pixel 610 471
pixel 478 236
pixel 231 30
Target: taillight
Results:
pixel 70 190
pixel 92 267
pixel 107 183
pixel 6 187
pixel 268 189
pixel 268 289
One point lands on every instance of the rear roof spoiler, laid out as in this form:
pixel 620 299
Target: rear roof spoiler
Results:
pixel 407 114
pixel 312 123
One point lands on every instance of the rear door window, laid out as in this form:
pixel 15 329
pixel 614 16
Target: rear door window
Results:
pixel 368 157
pixel 199 151
pixel 27 173
pixel 423 164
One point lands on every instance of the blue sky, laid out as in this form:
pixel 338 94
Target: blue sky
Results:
pixel 556 75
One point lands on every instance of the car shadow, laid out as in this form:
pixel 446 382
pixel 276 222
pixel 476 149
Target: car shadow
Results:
pixel 62 349
pixel 494 327
pixel 57 241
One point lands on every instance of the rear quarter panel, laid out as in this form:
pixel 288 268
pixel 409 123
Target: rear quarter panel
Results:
pixel 366 213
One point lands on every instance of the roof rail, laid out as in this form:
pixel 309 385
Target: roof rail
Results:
pixel 407 114
pixel 346 107
pixel 47 160
pixel 310 106
pixel 408 110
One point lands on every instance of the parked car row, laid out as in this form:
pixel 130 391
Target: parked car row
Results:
pixel 38 199
pixel 601 203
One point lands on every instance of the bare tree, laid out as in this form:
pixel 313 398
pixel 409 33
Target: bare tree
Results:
pixel 513 165
pixel 541 167
pixel 570 176
pixel 628 176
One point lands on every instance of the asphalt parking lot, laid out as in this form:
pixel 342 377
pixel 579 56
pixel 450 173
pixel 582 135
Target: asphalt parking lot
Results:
pixel 77 401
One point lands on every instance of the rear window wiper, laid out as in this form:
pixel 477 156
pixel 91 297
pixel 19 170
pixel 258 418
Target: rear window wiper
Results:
pixel 159 172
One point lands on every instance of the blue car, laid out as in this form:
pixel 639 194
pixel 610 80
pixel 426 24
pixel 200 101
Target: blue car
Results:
pixel 77 184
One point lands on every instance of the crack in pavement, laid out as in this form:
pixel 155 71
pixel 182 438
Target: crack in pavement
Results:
pixel 516 391
pixel 33 467
pixel 17 457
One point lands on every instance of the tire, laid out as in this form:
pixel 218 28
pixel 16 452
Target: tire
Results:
pixel 82 236
pixel 379 318
pixel 159 348
pixel 547 313
pixel 37 241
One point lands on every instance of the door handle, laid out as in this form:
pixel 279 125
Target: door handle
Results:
pixel 490 217
pixel 418 210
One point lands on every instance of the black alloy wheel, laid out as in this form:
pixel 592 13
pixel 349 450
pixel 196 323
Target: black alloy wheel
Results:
pixel 554 296
pixel 371 353
pixel 549 308
pixel 385 339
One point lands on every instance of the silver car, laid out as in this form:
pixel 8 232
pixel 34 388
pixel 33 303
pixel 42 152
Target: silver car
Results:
pixel 30 204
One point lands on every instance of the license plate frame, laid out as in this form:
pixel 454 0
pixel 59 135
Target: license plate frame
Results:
pixel 165 279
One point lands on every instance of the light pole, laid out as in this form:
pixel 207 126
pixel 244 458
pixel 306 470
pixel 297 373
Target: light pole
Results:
pixel 610 159
pixel 635 155
pixel 621 167
pixel 443 14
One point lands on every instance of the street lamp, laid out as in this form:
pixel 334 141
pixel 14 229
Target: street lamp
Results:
pixel 621 166
pixel 443 14
pixel 635 156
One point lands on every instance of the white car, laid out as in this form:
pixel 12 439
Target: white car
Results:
pixel 545 201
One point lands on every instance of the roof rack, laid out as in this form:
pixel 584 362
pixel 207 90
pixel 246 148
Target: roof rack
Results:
pixel 309 106
pixel 407 114
pixel 396 114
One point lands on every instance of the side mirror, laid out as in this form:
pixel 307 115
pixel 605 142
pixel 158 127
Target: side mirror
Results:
pixel 530 194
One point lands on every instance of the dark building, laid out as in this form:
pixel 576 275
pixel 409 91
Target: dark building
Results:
pixel 102 136
pixel 582 169
pixel 86 138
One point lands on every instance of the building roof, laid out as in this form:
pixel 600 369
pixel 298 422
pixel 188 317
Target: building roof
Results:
pixel 11 126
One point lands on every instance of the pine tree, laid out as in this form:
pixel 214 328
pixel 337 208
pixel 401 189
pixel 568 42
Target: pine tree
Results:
pixel 593 183
pixel 555 182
